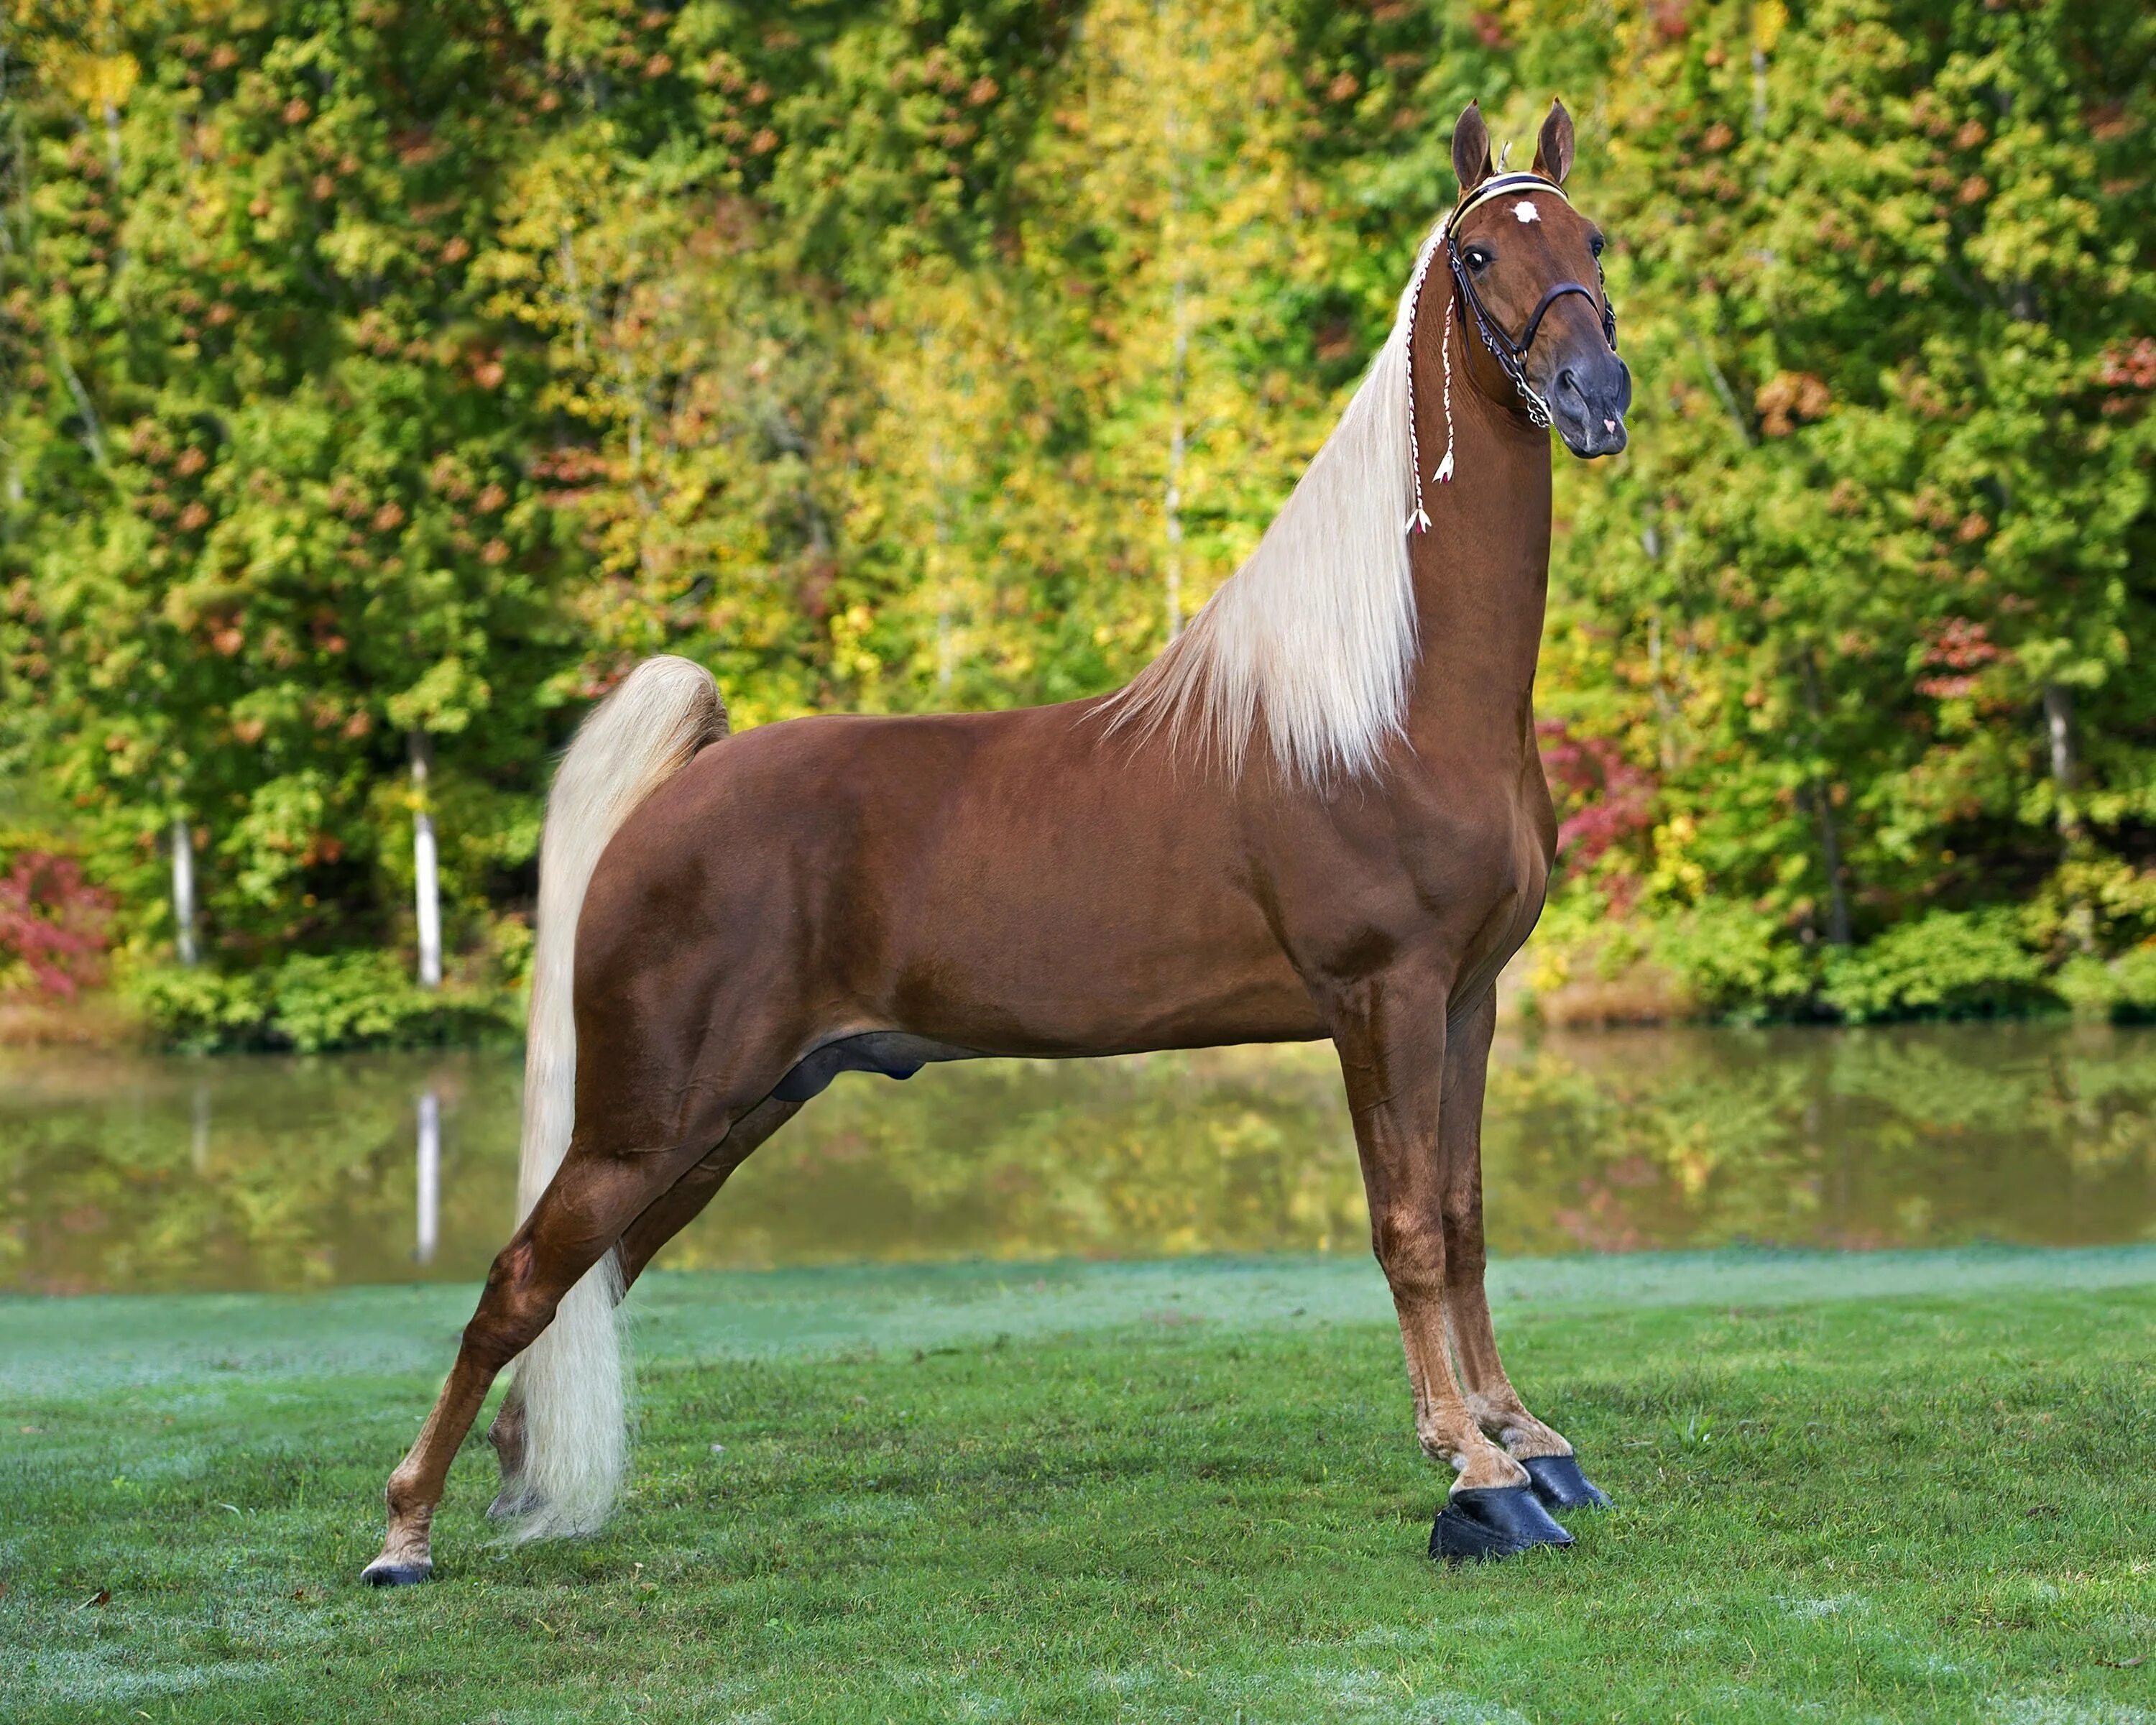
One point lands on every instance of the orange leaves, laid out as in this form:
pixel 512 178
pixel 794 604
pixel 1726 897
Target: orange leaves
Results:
pixel 417 147
pixel 1961 643
pixel 2129 364
pixel 1789 398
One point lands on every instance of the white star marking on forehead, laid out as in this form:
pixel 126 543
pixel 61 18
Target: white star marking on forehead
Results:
pixel 1526 211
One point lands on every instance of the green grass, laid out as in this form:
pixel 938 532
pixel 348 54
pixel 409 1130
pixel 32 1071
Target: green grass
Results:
pixel 1899 1487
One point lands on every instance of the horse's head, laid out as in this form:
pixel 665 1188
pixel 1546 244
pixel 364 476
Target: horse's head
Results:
pixel 1528 275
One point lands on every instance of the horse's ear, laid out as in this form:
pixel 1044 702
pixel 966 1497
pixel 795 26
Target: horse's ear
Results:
pixel 1471 149
pixel 1554 148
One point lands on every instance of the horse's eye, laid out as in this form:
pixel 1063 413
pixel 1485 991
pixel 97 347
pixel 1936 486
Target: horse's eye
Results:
pixel 1594 244
pixel 1479 258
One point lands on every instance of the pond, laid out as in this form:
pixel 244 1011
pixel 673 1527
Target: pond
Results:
pixel 163 1173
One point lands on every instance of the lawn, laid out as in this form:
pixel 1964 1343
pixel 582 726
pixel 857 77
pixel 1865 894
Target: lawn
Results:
pixel 1900 1487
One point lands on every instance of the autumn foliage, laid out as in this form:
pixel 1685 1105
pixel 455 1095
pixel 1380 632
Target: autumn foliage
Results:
pixel 384 367
pixel 52 926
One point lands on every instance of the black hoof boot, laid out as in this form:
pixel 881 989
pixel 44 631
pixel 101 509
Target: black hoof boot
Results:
pixel 379 1574
pixel 1492 1522
pixel 1560 1484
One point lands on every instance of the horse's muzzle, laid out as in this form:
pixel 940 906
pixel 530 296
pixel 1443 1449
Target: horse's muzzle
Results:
pixel 1588 398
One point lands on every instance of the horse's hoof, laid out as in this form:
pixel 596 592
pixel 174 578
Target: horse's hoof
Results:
pixel 382 1572
pixel 1560 1484
pixel 513 1500
pixel 1484 1521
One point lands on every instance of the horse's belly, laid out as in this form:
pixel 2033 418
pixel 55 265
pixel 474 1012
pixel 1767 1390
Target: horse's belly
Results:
pixel 1052 964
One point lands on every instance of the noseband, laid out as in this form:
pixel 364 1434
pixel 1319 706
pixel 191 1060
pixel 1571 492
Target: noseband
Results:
pixel 1511 355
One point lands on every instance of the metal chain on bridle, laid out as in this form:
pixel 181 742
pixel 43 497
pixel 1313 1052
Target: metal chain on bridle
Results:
pixel 1512 356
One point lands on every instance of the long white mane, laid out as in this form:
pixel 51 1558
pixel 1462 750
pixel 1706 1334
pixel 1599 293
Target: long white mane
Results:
pixel 1314 637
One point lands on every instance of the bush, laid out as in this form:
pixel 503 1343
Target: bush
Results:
pixel 52 924
pixel 1948 964
pixel 316 1004
pixel 2134 974
pixel 200 1011
pixel 2123 989
pixel 1735 963
pixel 366 1000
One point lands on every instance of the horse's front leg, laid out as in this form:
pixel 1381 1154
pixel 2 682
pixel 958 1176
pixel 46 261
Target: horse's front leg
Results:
pixel 1390 1032
pixel 1496 1406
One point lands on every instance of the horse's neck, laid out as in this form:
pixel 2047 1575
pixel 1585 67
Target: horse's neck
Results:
pixel 1481 578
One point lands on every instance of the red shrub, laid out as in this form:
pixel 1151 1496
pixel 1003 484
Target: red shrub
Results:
pixel 1601 799
pixel 53 922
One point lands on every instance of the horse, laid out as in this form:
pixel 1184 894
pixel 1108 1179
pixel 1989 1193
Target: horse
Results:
pixel 1319 812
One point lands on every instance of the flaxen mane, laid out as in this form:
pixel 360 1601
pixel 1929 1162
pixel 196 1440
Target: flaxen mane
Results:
pixel 1314 637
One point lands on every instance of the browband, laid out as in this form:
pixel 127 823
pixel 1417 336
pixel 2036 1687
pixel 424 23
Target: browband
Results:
pixel 1497 185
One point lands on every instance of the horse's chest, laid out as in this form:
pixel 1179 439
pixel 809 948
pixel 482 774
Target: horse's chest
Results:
pixel 1497 885
pixel 1458 882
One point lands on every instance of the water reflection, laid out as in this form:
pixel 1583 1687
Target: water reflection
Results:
pixel 429 1199
pixel 150 1172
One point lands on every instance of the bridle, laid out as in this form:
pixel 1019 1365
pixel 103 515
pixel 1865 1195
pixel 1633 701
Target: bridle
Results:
pixel 1511 355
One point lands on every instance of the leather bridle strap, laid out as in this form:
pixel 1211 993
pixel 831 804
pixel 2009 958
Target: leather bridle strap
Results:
pixel 1527 334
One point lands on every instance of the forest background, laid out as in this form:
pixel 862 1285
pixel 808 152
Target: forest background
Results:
pixel 381 380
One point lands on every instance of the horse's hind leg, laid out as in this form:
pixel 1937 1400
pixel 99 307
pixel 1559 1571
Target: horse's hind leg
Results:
pixel 666 1216
pixel 685 1200
pixel 594 1197
pixel 1545 1453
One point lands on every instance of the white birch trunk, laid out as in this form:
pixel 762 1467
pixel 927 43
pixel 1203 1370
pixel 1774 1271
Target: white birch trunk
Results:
pixel 425 869
pixel 184 889
pixel 2059 732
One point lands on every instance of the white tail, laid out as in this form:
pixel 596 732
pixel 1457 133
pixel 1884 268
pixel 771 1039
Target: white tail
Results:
pixel 572 1381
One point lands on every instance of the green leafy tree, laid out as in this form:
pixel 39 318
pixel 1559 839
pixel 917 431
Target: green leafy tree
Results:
pixel 382 380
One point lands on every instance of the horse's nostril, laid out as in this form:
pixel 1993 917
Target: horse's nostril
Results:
pixel 1567 379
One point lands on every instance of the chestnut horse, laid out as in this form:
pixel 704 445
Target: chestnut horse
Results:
pixel 1320 813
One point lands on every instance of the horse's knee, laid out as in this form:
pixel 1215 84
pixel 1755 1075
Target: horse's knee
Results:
pixel 1410 1247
